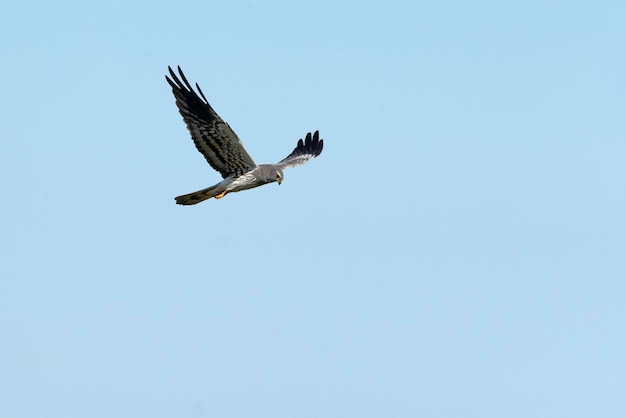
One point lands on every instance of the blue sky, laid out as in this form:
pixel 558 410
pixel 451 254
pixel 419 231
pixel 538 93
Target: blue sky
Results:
pixel 456 251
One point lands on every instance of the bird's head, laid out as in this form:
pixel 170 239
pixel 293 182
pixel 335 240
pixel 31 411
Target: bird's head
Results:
pixel 269 173
pixel 279 175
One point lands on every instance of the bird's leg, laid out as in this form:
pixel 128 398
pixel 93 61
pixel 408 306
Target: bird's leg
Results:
pixel 221 195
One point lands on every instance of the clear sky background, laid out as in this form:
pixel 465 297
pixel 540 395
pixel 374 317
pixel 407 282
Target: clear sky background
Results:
pixel 458 249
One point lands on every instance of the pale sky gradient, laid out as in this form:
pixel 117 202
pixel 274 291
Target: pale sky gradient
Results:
pixel 458 249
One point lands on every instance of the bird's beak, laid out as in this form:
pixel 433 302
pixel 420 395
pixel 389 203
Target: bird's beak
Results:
pixel 280 181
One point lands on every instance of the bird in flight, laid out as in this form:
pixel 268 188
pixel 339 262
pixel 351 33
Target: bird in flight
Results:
pixel 223 150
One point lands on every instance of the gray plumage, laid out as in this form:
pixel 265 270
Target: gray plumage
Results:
pixel 223 150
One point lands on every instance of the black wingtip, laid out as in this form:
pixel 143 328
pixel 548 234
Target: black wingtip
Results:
pixel 184 85
pixel 175 81
pixel 317 144
pixel 312 143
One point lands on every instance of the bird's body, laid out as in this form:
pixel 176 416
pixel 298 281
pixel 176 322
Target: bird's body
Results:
pixel 224 151
pixel 256 177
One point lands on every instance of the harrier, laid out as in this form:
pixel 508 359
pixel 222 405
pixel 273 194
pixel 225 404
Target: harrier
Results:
pixel 223 150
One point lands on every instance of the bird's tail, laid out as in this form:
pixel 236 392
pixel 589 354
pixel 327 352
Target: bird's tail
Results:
pixel 216 191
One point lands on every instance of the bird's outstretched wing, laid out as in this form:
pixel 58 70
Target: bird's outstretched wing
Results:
pixel 213 137
pixel 304 151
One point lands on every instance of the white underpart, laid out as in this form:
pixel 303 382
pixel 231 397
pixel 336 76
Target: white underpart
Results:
pixel 242 182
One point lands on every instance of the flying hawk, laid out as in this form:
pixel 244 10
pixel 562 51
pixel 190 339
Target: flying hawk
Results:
pixel 224 151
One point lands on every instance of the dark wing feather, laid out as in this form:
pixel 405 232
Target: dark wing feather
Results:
pixel 213 137
pixel 304 151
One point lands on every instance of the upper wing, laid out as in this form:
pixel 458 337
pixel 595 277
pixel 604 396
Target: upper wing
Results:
pixel 213 137
pixel 304 152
